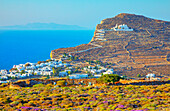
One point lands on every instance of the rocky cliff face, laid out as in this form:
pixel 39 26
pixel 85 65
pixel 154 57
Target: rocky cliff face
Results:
pixel 144 50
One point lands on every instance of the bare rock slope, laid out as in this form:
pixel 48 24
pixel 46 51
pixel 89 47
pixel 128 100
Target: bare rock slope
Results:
pixel 144 50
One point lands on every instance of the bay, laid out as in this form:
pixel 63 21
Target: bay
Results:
pixel 19 47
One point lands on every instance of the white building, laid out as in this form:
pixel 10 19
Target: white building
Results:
pixel 37 72
pixel 150 76
pixel 63 74
pixel 78 76
pixel 3 72
pixel 97 75
pixel 3 77
pixel 109 71
pixel 23 76
pixel 3 82
pixel 122 27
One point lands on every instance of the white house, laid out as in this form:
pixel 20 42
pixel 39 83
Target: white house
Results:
pixel 37 72
pixel 3 82
pixel 78 76
pixel 3 77
pixel 47 73
pixel 97 75
pixel 109 71
pixel 63 74
pixel 39 66
pixel 30 71
pixel 21 68
pixel 12 74
pixel 58 66
pixel 23 76
pixel 93 71
pixel 3 71
pixel 150 76
pixel 122 27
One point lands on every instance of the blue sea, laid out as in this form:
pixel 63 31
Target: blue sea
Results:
pixel 19 47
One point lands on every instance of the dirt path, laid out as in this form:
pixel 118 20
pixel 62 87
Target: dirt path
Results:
pixel 97 46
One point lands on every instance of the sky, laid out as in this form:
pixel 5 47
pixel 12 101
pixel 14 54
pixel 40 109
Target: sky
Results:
pixel 85 13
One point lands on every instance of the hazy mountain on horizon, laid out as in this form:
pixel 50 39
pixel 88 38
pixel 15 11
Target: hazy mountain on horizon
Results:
pixel 43 26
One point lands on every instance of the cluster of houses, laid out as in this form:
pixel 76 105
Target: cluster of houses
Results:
pixel 98 71
pixel 30 69
pixel 47 69
pixel 152 76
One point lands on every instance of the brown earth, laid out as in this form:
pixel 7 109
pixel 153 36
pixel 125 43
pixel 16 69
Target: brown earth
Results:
pixel 144 50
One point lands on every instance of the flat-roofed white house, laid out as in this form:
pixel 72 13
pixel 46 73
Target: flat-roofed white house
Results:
pixel 63 74
pixel 21 68
pixel 3 82
pixel 23 76
pixel 37 72
pixel 3 71
pixel 3 77
pixel 150 76
pixel 122 27
pixel 78 76
pixel 97 75
pixel 109 71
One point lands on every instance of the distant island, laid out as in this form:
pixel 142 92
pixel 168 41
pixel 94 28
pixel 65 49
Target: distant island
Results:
pixel 43 26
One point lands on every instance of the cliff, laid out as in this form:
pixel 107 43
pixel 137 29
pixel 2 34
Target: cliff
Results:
pixel 144 50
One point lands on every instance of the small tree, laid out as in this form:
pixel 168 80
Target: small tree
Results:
pixel 109 78
pixel 69 72
pixel 65 54
pixel 22 71
pixel 96 67
pixel 13 77
pixel 47 77
pixel 138 75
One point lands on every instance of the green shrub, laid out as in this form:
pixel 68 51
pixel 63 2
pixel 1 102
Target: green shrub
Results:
pixel 109 78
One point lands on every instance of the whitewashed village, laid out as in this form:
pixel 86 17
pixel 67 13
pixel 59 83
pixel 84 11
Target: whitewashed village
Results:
pixel 49 68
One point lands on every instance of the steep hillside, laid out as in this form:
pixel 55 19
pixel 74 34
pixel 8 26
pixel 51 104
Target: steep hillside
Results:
pixel 144 50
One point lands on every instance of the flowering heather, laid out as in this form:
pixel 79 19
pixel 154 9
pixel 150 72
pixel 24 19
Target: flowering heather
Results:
pixel 110 98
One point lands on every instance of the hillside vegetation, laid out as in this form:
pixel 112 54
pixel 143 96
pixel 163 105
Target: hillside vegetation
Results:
pixel 48 97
